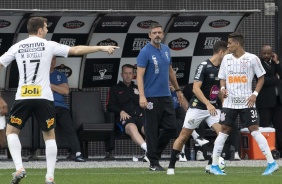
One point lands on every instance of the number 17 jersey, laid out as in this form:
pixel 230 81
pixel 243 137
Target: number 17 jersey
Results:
pixel 33 56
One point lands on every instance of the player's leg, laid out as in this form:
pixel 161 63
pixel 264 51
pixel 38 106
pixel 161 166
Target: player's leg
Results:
pixel 20 112
pixel 45 115
pixel 249 118
pixel 192 120
pixel 227 118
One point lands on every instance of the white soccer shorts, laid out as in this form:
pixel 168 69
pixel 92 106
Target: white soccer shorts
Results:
pixel 194 117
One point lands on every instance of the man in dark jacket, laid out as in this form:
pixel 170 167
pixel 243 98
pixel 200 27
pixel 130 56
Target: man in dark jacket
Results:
pixel 123 100
pixel 269 100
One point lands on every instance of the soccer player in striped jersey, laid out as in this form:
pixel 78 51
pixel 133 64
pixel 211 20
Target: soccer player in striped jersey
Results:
pixel 236 74
pixel 34 95
pixel 203 105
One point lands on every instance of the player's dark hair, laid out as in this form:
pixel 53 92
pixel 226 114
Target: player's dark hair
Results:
pixel 155 25
pixel 34 23
pixel 237 37
pixel 219 45
pixel 127 66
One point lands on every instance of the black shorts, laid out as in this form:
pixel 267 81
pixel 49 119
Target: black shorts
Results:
pixel 137 120
pixel 248 116
pixel 42 109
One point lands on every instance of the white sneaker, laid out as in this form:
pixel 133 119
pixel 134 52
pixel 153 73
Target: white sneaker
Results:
pixel 201 141
pixel 236 156
pixel 182 157
pixel 170 171
pixel 200 156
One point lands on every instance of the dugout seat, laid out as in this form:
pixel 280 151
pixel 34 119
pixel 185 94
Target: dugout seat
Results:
pixel 90 119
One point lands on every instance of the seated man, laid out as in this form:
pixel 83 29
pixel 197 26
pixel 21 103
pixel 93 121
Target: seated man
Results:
pixel 123 100
pixel 59 86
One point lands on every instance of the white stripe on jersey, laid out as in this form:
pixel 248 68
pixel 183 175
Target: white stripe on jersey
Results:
pixel 238 74
pixel 33 56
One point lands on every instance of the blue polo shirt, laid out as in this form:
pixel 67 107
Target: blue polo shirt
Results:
pixel 58 78
pixel 157 63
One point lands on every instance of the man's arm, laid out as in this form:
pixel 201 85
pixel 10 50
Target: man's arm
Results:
pixel 260 83
pixel 173 81
pixel 82 50
pixel 62 89
pixel 252 99
pixel 140 83
pixel 199 94
pixel 112 102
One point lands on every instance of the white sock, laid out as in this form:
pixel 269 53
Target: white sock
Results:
pixel 15 148
pixel 263 145
pixel 218 146
pixel 78 154
pixel 144 146
pixel 51 156
pixel 195 135
pixel 183 149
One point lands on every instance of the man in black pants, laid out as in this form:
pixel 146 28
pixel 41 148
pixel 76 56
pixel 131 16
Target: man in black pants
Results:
pixel 59 86
pixel 269 100
pixel 154 71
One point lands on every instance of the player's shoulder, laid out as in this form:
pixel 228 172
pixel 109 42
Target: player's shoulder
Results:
pixel 248 55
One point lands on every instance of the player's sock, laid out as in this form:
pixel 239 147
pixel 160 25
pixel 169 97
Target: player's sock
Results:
pixel 173 158
pixel 51 157
pixel 195 135
pixel 263 145
pixel 15 148
pixel 218 146
pixel 144 146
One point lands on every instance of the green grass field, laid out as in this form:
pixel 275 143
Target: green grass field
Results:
pixel 236 175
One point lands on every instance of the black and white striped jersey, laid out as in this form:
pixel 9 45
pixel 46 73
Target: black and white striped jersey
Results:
pixel 238 74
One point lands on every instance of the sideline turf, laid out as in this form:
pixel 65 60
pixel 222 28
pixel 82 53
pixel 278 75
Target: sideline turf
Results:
pixel 143 175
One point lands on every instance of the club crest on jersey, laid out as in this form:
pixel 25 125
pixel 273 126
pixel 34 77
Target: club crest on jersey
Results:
pixel 136 92
pixel 59 78
pixel 244 63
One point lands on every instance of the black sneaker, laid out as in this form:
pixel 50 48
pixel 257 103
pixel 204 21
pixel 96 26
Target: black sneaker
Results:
pixel 109 156
pixel 79 159
pixel 156 167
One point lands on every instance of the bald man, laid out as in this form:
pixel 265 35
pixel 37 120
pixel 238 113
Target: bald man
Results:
pixel 269 100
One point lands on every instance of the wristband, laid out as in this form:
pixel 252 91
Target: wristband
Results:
pixel 255 93
pixel 222 88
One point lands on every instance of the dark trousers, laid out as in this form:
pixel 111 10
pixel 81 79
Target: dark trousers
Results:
pixel 273 116
pixel 63 119
pixel 162 115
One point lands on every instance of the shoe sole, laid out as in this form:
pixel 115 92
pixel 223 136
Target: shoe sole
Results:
pixel 276 170
pixel 18 179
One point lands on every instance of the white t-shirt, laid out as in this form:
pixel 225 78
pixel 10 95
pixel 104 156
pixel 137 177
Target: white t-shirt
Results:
pixel 33 56
pixel 239 74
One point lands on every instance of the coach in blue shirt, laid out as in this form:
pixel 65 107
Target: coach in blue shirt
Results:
pixel 154 71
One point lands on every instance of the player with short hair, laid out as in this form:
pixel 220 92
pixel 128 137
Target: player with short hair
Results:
pixel 34 95
pixel 236 74
pixel 203 105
